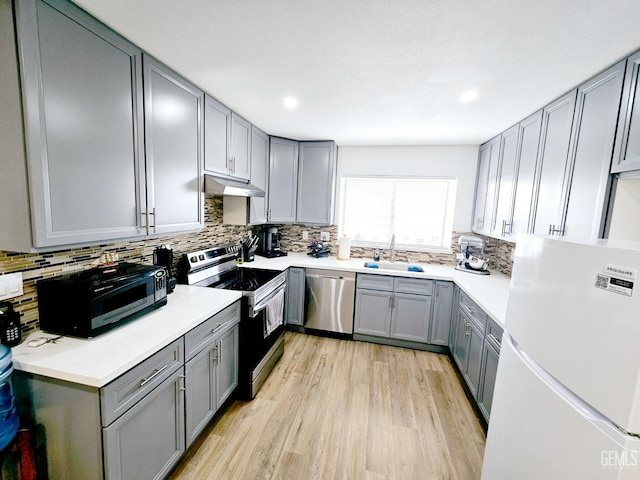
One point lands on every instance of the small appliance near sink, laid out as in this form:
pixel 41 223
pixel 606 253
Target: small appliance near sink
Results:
pixel 404 267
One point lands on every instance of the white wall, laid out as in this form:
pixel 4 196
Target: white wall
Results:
pixel 438 161
pixel 625 221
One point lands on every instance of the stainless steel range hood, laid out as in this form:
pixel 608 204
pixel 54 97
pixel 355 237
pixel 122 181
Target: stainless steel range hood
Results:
pixel 225 186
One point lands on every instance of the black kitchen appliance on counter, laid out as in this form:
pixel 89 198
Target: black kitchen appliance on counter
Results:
pixel 269 243
pixel 260 346
pixel 163 257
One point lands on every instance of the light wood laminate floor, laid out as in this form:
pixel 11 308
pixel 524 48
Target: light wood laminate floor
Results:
pixel 338 409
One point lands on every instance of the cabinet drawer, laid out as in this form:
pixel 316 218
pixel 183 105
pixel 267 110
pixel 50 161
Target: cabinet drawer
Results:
pixel 125 391
pixel 375 282
pixel 419 286
pixel 493 334
pixel 208 331
pixel 473 311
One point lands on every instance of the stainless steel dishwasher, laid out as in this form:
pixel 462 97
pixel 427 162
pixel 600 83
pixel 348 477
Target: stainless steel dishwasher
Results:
pixel 329 300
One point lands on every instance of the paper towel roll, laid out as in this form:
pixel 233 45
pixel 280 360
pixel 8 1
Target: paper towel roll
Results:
pixel 344 248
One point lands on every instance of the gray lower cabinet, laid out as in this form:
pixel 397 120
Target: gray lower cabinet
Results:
pixel 174 151
pixel 294 313
pixel 627 152
pixel 259 171
pixel 440 325
pixel 398 308
pixel 475 347
pixel 283 181
pixel 147 441
pixel 316 183
pixel 138 425
pixel 211 377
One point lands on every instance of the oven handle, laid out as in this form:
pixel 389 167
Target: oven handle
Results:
pixel 254 311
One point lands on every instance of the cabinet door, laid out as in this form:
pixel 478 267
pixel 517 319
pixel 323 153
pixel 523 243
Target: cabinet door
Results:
pixel 148 440
pixel 526 173
pixel 410 317
pixel 240 147
pixel 283 181
pixel 259 168
pixel 488 379
pixel 174 149
pixel 295 296
pixel 373 312
pixel 554 152
pixel 485 186
pixel 474 359
pixel 594 127
pixel 82 94
pixel 316 182
pixel 441 318
pixel 454 318
pixel 227 365
pixel 507 181
pixel 201 395
pixel 461 341
pixel 217 135
pixel 627 151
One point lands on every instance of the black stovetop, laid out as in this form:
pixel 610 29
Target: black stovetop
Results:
pixel 247 279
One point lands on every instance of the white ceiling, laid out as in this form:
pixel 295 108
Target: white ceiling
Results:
pixel 381 72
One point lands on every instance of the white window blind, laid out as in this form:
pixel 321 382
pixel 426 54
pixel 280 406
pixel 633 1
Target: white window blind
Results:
pixel 418 210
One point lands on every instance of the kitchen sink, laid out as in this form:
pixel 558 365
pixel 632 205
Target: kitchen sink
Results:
pixel 398 266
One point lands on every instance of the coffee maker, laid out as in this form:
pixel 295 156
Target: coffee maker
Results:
pixel 163 257
pixel 269 243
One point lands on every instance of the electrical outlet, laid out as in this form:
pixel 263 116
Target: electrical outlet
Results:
pixel 11 285
pixel 305 235
pixel 325 236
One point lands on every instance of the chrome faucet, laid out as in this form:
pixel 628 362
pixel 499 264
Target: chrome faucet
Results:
pixel 392 247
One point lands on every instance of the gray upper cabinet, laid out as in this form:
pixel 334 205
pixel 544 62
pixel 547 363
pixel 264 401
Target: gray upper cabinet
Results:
pixel 174 150
pixel 283 181
pixel 557 119
pixel 627 150
pixel 259 171
pixel 84 161
pixel 529 140
pixel 486 186
pixel 587 183
pixel 240 147
pixel 316 182
pixel 506 184
pixel 217 136
pixel 227 141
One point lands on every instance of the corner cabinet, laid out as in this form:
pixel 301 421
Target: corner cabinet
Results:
pixel 283 181
pixel 80 172
pixel 316 183
pixel 174 151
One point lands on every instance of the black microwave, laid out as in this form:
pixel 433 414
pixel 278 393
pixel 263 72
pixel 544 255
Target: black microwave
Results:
pixel 90 302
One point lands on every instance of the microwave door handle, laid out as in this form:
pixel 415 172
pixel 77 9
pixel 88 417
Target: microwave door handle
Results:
pixel 263 304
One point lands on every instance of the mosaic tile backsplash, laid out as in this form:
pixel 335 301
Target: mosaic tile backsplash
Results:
pixel 41 265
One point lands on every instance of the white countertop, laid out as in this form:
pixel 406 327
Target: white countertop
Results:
pixel 98 361
pixel 490 292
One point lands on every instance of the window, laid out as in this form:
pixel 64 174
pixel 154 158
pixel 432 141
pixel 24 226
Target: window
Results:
pixel 419 211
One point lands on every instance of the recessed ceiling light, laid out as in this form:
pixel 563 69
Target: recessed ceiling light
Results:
pixel 290 102
pixel 468 96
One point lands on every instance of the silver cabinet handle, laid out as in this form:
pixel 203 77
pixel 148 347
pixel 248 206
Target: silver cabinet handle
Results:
pixel 220 351
pixel 184 382
pixel 155 373
pixel 495 339
pixel 553 230
pixel 216 328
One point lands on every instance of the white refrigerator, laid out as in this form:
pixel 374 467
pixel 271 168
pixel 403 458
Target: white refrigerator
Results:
pixel 566 403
